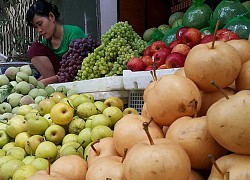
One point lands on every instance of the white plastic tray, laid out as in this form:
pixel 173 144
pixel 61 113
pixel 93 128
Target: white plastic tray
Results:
pixel 141 79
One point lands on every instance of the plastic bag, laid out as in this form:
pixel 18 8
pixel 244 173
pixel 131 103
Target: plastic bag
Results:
pixel 240 25
pixel 225 11
pixel 197 15
pixel 170 35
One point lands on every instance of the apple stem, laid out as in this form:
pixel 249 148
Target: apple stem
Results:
pixel 220 89
pixel 211 157
pixel 94 149
pixel 125 154
pixel 145 128
pixel 215 32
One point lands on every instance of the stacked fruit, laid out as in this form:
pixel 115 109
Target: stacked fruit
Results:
pixel 59 123
pixel 119 44
pixel 72 59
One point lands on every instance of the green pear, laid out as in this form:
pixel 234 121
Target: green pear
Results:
pixel 32 143
pixel 29 159
pixel 100 131
pixel 38 99
pixel 101 119
pixel 100 106
pixel 81 99
pixel 46 150
pixel 24 172
pixel 2 153
pixel 22 76
pixel 84 137
pixel 13 83
pixel 86 151
pixel 17 152
pixel 23 87
pixel 15 110
pixel 71 92
pixel 86 109
pixel 40 163
pixel 34 93
pixel 8 146
pixel 4 138
pixel 24 109
pixel 76 125
pixel 33 81
pixel 14 99
pixel 11 72
pixel 40 85
pixel 71 148
pixel 42 92
pixel 4 80
pixel 9 167
pixel 17 124
pixel 62 89
pixel 70 138
pixel 27 69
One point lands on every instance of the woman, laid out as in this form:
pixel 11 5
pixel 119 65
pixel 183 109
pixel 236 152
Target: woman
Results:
pixel 46 56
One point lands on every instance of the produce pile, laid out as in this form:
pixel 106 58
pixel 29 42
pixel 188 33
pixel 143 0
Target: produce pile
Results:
pixel 119 44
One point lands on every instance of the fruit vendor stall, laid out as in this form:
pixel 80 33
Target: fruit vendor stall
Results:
pixel 172 103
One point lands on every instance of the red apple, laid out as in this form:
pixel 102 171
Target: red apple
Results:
pixel 191 37
pixel 180 32
pixel 207 38
pixel 173 44
pixel 181 48
pixel 147 51
pixel 175 60
pixel 147 60
pixel 160 56
pixel 136 64
pixel 226 35
pixel 157 45
pixel 149 68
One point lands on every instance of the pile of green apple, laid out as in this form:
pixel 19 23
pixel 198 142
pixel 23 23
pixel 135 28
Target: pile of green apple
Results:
pixel 62 123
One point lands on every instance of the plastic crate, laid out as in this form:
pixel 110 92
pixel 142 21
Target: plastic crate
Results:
pixel 135 99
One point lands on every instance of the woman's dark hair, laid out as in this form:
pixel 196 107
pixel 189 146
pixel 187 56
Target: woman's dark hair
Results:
pixel 41 8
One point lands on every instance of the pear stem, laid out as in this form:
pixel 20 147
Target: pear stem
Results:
pixel 215 32
pixel 125 154
pixel 211 157
pixel 226 177
pixel 49 166
pixel 71 105
pixel 220 89
pixel 28 143
pixel 80 145
pixel 145 128
pixel 195 104
pixel 94 149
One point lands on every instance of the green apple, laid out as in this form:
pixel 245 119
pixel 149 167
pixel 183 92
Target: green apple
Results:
pixel 9 167
pixel 34 93
pixel 49 90
pixel 6 116
pixel 33 81
pixel 11 72
pixel 32 143
pixel 26 69
pixel 37 125
pixel 2 153
pixel 14 99
pixel 40 163
pixel 62 89
pixel 114 101
pixel 55 133
pixel 22 76
pixel 62 113
pixel 17 152
pixel 57 96
pixel 22 87
pixel 47 150
pixel 101 119
pixel 76 125
pixel 84 137
pixel 46 106
pixel 130 110
pixel 81 99
pixel 86 109
pixel 26 100
pixel 71 148
pixel 4 80
pixel 70 138
pixel 24 172
pixel 5 108
pixel 17 124
pixel 31 114
pixel 4 138
pixel 8 146
pixel 47 116
pixel 114 113
pixel 24 109
pixel 100 106
pixel 29 159
pixel 100 131
pixel 21 139
pixel 3 125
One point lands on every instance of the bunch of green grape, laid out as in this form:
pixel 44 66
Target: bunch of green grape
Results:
pixel 119 44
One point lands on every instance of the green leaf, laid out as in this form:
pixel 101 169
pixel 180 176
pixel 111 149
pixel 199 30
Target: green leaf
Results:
pixel 5 93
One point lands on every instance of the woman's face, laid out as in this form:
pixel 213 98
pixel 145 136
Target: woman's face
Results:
pixel 45 26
